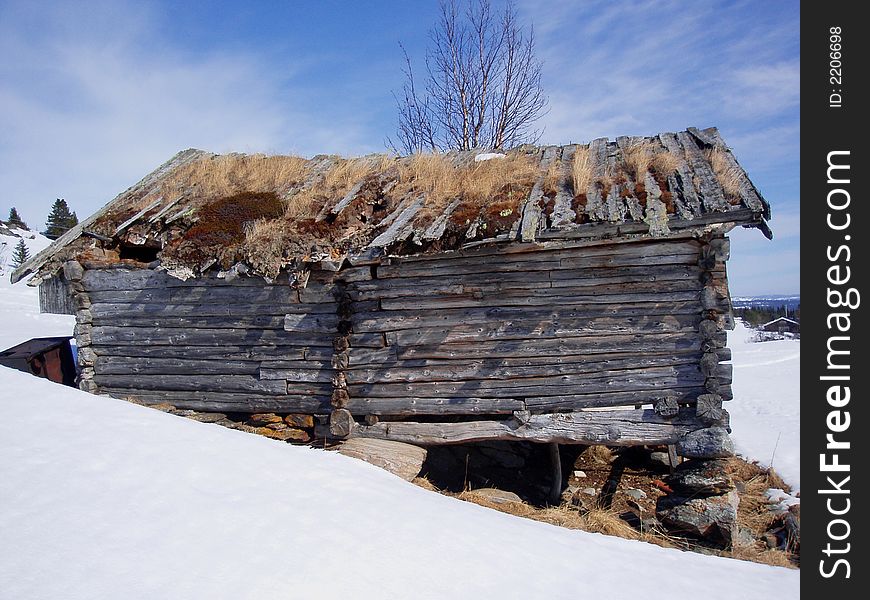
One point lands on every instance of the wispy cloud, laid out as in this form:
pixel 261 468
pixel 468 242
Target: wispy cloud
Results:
pixel 91 100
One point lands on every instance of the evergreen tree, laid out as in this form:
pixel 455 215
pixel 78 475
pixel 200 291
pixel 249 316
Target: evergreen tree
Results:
pixel 14 219
pixel 59 220
pixel 20 255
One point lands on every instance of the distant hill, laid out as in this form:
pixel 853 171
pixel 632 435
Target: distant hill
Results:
pixel 35 242
pixel 771 301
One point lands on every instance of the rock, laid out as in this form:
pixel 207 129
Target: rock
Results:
pixel 590 491
pixel 301 421
pixel 281 426
pixel 713 518
pixel 208 417
pixel 496 496
pixel 712 442
pixel 771 539
pixel 163 406
pixel 660 459
pixel 264 419
pixel 636 494
pixel 744 538
pixel 285 435
pixel 404 460
pixel 579 474
pixel 702 477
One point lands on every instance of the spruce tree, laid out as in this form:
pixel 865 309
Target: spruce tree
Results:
pixel 14 219
pixel 20 255
pixel 59 220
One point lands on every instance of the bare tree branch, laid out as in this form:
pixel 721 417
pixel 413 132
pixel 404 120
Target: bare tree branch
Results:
pixel 483 83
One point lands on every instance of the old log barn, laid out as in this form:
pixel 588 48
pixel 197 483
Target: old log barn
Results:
pixel 572 294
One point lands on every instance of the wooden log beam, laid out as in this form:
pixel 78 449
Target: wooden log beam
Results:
pixel 224 402
pixel 614 428
pixel 171 336
pixel 205 383
pixel 255 352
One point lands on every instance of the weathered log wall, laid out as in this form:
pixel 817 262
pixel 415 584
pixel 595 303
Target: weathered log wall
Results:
pixel 504 333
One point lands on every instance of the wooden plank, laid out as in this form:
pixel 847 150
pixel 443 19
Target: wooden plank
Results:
pixel 441 302
pixel 137 216
pixel 622 254
pixel 253 352
pixel 108 335
pixel 108 310
pixel 530 281
pixel 229 294
pixel 395 320
pixel 704 178
pixel 402 227
pixel 322 375
pixel 141 279
pixel 445 370
pixel 225 402
pixel 200 383
pixel 323 324
pixel 602 382
pixel 118 365
pixel 615 428
pixel 530 222
pixel 531 348
pixel 562 328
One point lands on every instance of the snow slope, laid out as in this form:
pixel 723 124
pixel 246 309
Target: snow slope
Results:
pixel 105 499
pixel 100 498
pixel 765 412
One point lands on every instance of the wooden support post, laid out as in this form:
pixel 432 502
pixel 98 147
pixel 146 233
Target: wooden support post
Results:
pixel 672 457
pixel 556 488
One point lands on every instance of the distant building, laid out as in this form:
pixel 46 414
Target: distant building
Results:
pixel 782 325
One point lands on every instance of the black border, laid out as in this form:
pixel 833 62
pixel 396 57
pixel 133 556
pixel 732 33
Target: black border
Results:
pixel 825 129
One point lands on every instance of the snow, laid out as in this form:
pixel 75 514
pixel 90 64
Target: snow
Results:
pixel 488 156
pixel 765 412
pixel 19 304
pixel 100 498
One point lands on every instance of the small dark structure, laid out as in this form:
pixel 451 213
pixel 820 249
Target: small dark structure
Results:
pixel 49 357
pixel 573 294
pixel 782 325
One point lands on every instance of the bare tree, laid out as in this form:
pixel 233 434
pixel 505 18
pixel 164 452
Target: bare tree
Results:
pixel 482 85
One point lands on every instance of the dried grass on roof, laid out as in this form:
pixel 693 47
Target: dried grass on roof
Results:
pixel 223 176
pixel 729 175
pixel 581 170
pixel 332 186
pixel 645 156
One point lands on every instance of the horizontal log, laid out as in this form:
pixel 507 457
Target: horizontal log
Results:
pixel 141 279
pixel 593 345
pixel 553 329
pixel 198 295
pixel 396 320
pixel 650 379
pixel 653 301
pixel 107 335
pixel 677 252
pixel 473 405
pixel 306 354
pixel 615 428
pixel 200 383
pixel 108 310
pixel 316 323
pixel 406 371
pixel 116 365
pixel 524 280
pixel 225 402
pixel 323 375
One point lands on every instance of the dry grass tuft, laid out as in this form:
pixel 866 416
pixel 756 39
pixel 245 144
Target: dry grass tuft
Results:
pixel 265 242
pixel 729 175
pixel 334 184
pixel 227 175
pixel 440 180
pixel 645 156
pixel 581 170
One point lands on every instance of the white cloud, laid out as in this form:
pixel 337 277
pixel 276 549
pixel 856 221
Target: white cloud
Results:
pixel 86 110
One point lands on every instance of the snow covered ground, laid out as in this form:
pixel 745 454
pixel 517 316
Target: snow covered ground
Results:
pixel 765 412
pixel 104 499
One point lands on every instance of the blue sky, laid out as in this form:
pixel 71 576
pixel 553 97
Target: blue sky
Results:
pixel 94 95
